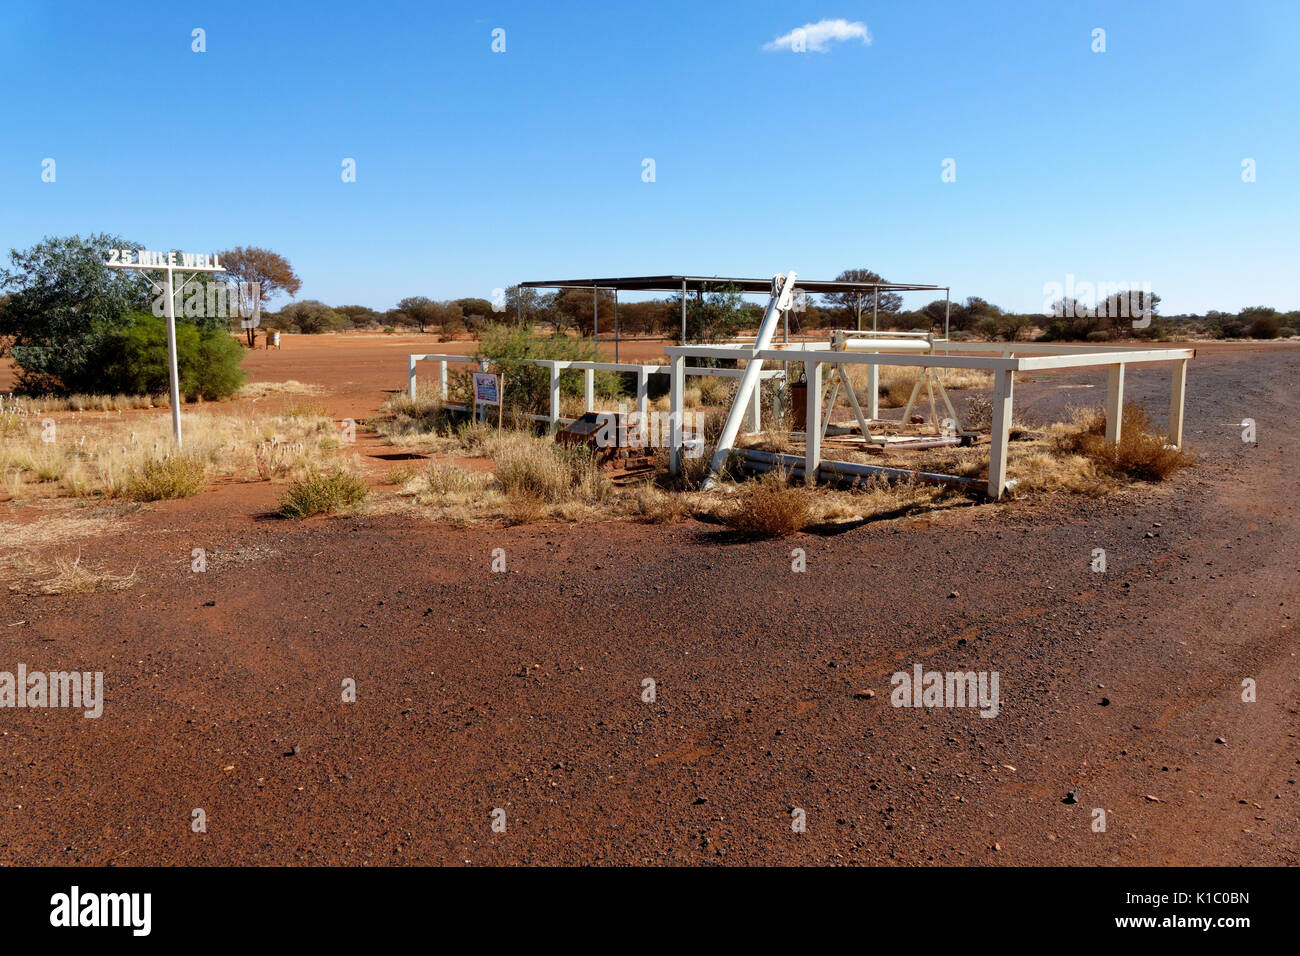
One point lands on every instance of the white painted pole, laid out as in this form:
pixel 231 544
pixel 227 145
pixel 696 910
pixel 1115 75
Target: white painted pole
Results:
pixel 442 378
pixel 1177 395
pixel 781 299
pixel 813 421
pixel 1003 388
pixel 555 396
pixel 873 393
pixel 1114 404
pixel 643 394
pixel 171 361
pixel 683 311
pixel 589 388
pixel 410 378
pixel 676 386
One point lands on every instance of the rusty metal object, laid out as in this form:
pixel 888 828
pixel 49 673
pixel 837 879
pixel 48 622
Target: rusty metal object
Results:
pixel 612 437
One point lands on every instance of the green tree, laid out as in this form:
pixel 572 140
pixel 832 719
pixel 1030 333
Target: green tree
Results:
pixel 396 318
pixel 311 316
pixel 644 318
pixel 712 315
pixel 577 307
pixel 845 304
pixel 449 319
pixel 524 305
pixel 478 313
pixel 1261 322
pixel 420 308
pixel 932 314
pixel 270 270
pixel 63 302
pixel 359 315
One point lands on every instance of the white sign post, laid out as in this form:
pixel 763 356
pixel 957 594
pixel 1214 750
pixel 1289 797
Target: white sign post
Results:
pixel 166 262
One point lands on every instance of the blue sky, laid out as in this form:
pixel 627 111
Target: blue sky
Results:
pixel 478 169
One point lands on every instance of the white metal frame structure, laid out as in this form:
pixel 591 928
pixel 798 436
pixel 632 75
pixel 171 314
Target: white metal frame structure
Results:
pixel 850 347
pixel 555 366
pixel 1004 360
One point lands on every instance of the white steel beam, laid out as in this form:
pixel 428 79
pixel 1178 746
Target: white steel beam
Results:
pixel 781 299
pixel 1035 363
pixel 676 386
pixel 554 418
pixel 642 394
pixel 1003 389
pixel 1114 403
pixel 812 423
pixel 1177 396
pixel 871 358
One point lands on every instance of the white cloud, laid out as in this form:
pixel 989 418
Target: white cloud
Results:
pixel 816 36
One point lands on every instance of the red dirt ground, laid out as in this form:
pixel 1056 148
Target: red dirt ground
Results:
pixel 522 690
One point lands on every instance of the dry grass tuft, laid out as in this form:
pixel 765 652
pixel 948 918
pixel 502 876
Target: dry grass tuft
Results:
pixel 403 418
pixel 399 476
pixel 259 390
pixel 39 405
pixel 322 493
pixel 175 476
pixel 717 390
pixel 770 507
pixel 524 509
pixel 649 505
pixel 444 482
pixel 73 577
pixel 539 468
pixel 93 454
pixel 1142 453
pixel 306 410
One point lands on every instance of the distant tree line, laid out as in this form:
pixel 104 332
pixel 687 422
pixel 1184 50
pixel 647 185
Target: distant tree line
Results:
pixel 71 324
pixel 716 314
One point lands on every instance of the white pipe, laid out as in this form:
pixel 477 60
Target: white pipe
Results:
pixel 174 375
pixel 749 381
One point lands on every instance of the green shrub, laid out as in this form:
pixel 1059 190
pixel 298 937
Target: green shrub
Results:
pixel 1265 326
pixel 528 387
pixel 132 360
pixel 311 316
pixel 179 476
pixel 323 493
